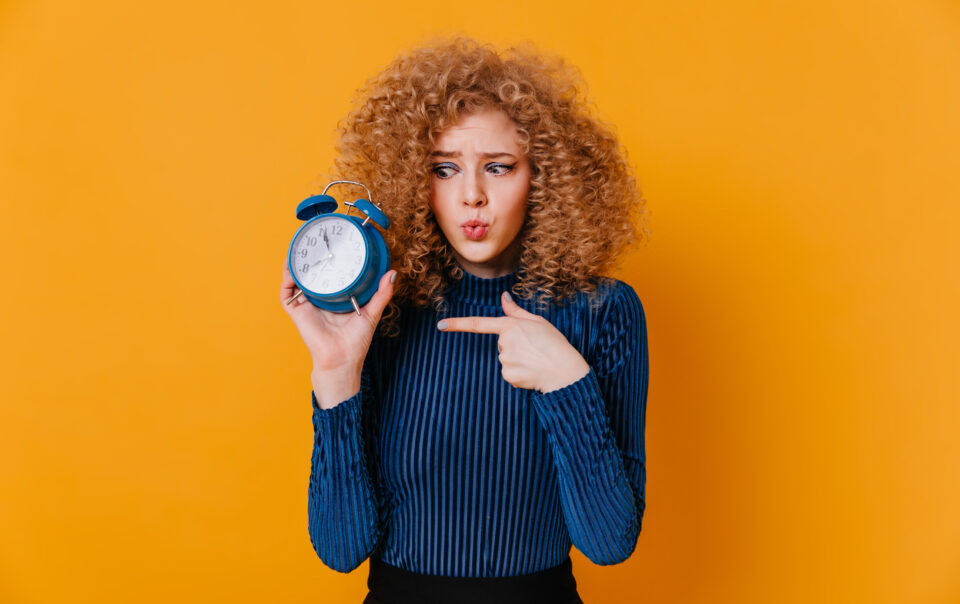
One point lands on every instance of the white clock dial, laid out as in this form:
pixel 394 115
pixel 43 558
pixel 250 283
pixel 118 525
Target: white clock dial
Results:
pixel 328 254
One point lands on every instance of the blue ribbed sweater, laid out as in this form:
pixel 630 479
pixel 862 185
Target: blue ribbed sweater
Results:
pixel 439 466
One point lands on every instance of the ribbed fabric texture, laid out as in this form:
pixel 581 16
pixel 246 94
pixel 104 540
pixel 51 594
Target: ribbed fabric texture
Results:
pixel 439 466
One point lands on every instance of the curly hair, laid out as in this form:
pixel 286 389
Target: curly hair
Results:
pixel 584 204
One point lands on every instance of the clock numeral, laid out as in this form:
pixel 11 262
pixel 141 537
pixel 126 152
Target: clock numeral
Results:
pixel 325 284
pixel 337 229
pixel 305 268
pixel 311 241
pixel 356 247
pixel 303 253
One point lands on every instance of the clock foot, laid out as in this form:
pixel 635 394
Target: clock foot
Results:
pixel 299 293
pixel 355 307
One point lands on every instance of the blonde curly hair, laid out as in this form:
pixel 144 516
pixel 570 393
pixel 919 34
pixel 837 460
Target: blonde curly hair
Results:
pixel 584 205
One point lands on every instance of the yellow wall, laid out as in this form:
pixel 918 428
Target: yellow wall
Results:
pixel 801 163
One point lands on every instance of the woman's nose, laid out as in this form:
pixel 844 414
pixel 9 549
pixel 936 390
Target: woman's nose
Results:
pixel 473 194
pixel 475 201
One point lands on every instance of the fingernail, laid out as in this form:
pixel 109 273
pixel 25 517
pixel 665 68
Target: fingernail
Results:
pixel 508 296
pixel 442 325
pixel 393 277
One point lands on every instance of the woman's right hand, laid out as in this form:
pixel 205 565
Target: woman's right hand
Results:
pixel 338 342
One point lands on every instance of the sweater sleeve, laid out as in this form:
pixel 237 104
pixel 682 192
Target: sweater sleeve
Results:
pixel 342 503
pixel 595 427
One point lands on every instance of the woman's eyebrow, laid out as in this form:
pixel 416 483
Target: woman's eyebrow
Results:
pixel 484 155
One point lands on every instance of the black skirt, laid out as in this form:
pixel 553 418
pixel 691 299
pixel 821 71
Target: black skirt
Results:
pixel 392 585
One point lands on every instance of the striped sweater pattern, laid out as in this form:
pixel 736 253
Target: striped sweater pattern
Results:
pixel 439 466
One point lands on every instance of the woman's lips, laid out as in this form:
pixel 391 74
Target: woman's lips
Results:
pixel 474 233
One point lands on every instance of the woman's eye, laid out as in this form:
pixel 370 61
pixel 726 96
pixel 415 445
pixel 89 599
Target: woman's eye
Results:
pixel 444 171
pixel 500 169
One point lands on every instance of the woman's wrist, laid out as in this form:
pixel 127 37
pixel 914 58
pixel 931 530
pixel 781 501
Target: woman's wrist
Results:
pixel 572 370
pixel 333 386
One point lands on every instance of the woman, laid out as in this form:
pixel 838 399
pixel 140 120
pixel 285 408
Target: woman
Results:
pixel 464 437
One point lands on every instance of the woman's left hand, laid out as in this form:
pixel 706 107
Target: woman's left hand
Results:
pixel 534 354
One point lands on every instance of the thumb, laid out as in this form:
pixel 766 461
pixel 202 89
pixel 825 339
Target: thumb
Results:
pixel 379 301
pixel 512 309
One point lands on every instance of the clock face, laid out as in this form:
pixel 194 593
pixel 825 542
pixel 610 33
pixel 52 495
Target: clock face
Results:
pixel 328 254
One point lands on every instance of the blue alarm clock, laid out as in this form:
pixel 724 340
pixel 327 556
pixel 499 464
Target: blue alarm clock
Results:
pixel 335 259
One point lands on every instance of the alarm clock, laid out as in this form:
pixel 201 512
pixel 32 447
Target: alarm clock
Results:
pixel 337 260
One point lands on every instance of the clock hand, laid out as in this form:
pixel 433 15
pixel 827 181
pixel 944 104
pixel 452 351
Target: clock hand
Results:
pixel 323 261
pixel 327 259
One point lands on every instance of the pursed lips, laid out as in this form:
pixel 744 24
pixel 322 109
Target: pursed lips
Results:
pixel 474 229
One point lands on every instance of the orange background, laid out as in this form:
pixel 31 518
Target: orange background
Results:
pixel 801 165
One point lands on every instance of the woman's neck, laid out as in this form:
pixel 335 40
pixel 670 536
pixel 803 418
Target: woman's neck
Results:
pixel 480 291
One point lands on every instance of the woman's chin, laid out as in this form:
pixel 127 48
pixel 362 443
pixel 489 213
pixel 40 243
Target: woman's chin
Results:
pixel 476 254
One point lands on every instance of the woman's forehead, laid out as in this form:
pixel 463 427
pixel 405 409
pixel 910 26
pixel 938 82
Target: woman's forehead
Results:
pixel 479 130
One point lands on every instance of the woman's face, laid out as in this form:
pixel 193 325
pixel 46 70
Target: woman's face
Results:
pixel 479 184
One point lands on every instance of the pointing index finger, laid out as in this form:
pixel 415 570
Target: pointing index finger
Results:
pixel 473 324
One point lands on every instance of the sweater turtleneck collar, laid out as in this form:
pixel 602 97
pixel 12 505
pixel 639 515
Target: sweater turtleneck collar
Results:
pixel 480 290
